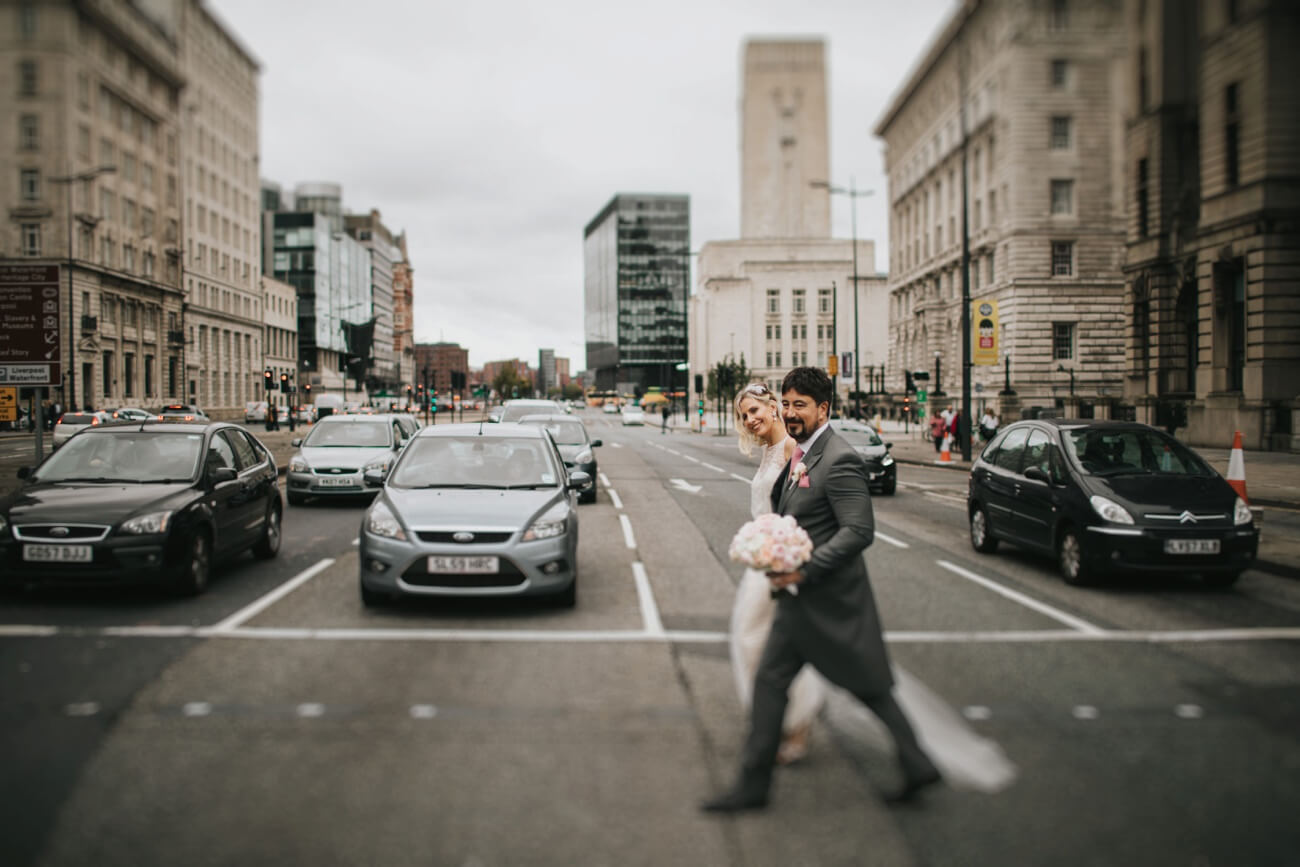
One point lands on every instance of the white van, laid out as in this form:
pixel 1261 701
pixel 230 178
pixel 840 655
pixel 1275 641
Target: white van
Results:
pixel 327 404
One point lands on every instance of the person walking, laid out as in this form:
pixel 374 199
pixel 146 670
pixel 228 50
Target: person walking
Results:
pixel 988 425
pixel 938 425
pixel 826 613
pixel 663 412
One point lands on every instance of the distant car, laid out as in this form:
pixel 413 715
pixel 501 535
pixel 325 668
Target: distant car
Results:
pixel 182 412
pixel 513 410
pixel 153 502
pixel 255 411
pixel 130 413
pixel 882 469
pixel 575 444
pixel 633 415
pixel 332 458
pixel 609 408
pixel 1108 497
pixel 71 423
pixel 473 510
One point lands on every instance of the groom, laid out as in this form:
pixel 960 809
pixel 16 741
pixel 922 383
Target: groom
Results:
pixel 830 619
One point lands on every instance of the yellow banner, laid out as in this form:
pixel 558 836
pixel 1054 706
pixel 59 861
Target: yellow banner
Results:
pixel 984 334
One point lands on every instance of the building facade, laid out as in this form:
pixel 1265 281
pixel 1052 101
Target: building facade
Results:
pixel 280 303
pixel 1012 120
pixel 434 363
pixel 547 378
pixel 1212 153
pixel 93 94
pixel 385 255
pixel 404 314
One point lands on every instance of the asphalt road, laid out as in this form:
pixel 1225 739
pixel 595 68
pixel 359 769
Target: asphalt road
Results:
pixel 276 720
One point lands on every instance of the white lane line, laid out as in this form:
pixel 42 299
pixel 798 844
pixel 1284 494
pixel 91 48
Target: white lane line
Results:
pixel 673 451
pixel 248 612
pixel 604 479
pixel 1085 711
pixel 82 708
pixel 712 467
pixel 423 711
pixel 649 610
pixel 627 531
pixel 977 712
pixel 947 500
pixel 1189 711
pixel 356 541
pixel 617 445
pixel 691 459
pixel 614 498
pixel 310 710
pixel 742 479
pixel 196 708
pixel 1029 602
pixel 21 630
pixel 897 543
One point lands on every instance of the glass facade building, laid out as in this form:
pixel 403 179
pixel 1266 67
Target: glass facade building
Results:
pixel 636 265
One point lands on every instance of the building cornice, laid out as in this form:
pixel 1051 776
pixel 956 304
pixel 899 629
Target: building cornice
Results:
pixel 938 47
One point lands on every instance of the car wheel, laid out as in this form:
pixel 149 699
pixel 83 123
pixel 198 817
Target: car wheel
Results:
pixel 1070 558
pixel 373 598
pixel 1220 579
pixel 295 499
pixel 269 545
pixel 980 537
pixel 888 487
pixel 196 566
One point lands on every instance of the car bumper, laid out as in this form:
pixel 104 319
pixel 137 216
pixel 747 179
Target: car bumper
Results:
pixel 882 476
pixel 1142 549
pixel 543 567
pixel 115 562
pixel 336 485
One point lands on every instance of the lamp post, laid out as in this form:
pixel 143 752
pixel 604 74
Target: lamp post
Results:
pixel 68 181
pixel 938 371
pixel 854 194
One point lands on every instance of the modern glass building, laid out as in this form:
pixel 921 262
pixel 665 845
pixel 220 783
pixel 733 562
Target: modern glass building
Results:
pixel 637 269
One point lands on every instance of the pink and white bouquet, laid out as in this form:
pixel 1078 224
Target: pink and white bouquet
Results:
pixel 771 543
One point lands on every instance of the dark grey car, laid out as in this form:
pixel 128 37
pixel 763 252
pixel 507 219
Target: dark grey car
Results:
pixel 575 444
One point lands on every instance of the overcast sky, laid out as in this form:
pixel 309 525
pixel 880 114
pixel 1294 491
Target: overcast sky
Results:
pixel 492 132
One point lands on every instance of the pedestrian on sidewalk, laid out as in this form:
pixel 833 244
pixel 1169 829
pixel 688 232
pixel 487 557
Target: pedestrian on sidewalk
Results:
pixel 988 425
pixel 938 424
pixel 664 414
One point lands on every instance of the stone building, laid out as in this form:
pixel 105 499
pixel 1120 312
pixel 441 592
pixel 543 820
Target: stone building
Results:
pixel 92 91
pixel 280 303
pixel 1015 110
pixel 404 314
pixel 1212 153
pixel 783 294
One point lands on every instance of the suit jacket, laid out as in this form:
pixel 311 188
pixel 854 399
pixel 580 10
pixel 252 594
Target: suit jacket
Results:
pixel 833 620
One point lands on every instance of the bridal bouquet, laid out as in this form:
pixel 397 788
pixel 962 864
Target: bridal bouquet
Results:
pixel 771 543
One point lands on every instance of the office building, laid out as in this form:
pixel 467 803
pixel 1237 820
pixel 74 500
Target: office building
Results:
pixel 385 255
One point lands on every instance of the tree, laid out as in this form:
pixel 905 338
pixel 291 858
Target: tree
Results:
pixel 507 380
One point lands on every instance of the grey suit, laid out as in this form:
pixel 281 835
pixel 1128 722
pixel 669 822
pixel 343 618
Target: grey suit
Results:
pixel 832 622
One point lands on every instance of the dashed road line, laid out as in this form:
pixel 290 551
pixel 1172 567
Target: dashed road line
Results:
pixel 645 596
pixel 712 467
pixel 947 499
pixel 604 479
pixel 614 498
pixel 691 459
pixel 1027 601
pixel 897 543
pixel 616 445
pixel 82 708
pixel 423 711
pixel 627 531
pixel 1085 712
pixel 740 478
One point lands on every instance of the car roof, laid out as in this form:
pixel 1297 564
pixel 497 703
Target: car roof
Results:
pixel 1095 423
pixel 551 416
pixel 168 426
pixel 497 430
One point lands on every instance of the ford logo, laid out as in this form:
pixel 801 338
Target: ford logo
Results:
pixel 462 537
pixel 59 531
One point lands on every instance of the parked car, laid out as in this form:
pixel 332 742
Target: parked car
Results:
pixel 576 446
pixel 882 469
pixel 1107 497
pixel 473 510
pixel 129 413
pixel 255 411
pixel 609 407
pixel 182 412
pixel 154 502
pixel 332 457
pixel 72 423
pixel 632 414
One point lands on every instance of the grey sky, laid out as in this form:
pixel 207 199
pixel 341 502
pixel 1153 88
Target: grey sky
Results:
pixel 493 131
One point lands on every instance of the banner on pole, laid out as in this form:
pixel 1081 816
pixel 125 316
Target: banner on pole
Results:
pixel 985 337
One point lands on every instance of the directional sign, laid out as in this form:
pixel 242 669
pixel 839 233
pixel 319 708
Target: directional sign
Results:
pixel 683 485
pixel 8 403
pixel 29 325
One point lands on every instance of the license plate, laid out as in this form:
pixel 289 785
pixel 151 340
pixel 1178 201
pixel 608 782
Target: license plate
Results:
pixel 464 565
pixel 1191 546
pixel 58 553
pixel 336 482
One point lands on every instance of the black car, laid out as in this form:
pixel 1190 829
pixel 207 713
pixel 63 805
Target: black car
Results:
pixel 575 444
pixel 142 502
pixel 882 469
pixel 1108 497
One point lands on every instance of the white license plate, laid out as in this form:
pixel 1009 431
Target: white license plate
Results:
pixel 1191 546
pixel 58 553
pixel 464 565
pixel 336 482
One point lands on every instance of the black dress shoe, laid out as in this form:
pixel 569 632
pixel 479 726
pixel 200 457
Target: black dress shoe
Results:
pixel 912 789
pixel 735 801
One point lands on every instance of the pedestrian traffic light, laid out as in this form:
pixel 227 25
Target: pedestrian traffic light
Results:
pixel 284 383
pixel 699 407
pixel 433 402
pixel 269 378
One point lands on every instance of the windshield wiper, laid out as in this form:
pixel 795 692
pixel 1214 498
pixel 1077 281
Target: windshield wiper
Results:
pixel 463 486
pixel 531 487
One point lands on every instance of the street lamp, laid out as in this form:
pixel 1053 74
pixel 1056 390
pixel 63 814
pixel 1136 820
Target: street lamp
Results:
pixel 68 181
pixel 854 194
pixel 938 370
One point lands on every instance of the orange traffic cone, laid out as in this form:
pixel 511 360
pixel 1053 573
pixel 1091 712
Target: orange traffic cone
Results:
pixel 1237 467
pixel 945 456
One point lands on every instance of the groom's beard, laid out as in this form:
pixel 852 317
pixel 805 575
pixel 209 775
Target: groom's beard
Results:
pixel 796 429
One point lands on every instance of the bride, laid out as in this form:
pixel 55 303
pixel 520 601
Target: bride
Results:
pixel 758 422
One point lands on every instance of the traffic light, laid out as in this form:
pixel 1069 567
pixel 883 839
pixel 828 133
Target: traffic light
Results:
pixel 907 404
pixel 269 378
pixel 699 407
pixel 699 383
pixel 433 402
pixel 284 383
pixel 307 388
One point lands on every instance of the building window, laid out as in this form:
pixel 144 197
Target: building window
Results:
pixel 1060 133
pixel 1142 78
pixel 29 138
pixel 991 277
pixel 1062 341
pixel 1060 74
pixel 1062 258
pixel 128 374
pixel 1059 15
pixel 974 273
pixel 993 207
pixel 773 300
pixel 1143 214
pixel 29 185
pixel 31 236
pixel 824 301
pixel 1062 197
pixel 27 19
pixel 798 304
pixel 1232 135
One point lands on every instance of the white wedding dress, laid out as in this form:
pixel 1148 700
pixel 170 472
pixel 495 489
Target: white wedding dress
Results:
pixel 751 617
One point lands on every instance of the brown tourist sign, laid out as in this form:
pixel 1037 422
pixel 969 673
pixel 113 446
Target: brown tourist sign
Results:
pixel 30 330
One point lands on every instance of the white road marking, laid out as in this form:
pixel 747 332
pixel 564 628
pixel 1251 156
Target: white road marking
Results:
pixel 672 451
pixel 897 543
pixel 683 485
pixel 310 710
pixel 712 467
pixel 604 479
pixel 1189 711
pixel 947 500
pixel 248 612
pixel 22 630
pixel 977 712
pixel 423 711
pixel 82 708
pixel 196 708
pixel 1029 602
pixel 742 479
pixel 1085 711
pixel 614 498
pixel 691 459
pixel 617 445
pixel 649 610
pixel 627 531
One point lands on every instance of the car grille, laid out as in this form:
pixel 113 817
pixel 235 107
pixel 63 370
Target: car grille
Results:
pixel 334 471
pixel 75 532
pixel 1188 520
pixel 448 537
pixel 418 574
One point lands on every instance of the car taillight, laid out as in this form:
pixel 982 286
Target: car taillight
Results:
pixel 94 421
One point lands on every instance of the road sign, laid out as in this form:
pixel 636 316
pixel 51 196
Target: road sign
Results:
pixel 8 403
pixel 921 395
pixel 30 335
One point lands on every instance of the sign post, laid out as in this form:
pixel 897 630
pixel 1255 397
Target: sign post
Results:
pixel 30 331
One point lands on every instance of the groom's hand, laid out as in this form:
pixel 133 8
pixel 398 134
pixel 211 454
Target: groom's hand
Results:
pixel 781 580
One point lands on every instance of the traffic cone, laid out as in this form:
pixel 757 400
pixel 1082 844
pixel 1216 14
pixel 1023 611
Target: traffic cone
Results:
pixel 1237 467
pixel 945 456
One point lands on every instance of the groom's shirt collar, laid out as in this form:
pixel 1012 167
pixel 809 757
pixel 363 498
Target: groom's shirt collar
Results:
pixel 807 444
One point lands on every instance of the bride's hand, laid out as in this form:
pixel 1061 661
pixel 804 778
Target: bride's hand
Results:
pixel 781 580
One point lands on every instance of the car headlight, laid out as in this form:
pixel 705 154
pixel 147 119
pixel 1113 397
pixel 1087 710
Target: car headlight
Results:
pixel 299 465
pixel 584 457
pixel 380 521
pixel 549 525
pixel 1241 514
pixel 1110 510
pixel 152 523
pixel 886 460
pixel 380 464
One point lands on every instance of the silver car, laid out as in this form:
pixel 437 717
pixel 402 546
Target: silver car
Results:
pixel 473 510
pixel 338 450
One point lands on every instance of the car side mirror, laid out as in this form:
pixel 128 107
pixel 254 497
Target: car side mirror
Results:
pixel 595 443
pixel 1038 474
pixel 295 442
pixel 578 480
pixel 373 478
pixel 224 474
pixel 888 446
pixel 24 472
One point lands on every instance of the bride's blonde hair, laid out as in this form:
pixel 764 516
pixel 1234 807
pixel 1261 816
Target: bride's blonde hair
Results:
pixel 761 393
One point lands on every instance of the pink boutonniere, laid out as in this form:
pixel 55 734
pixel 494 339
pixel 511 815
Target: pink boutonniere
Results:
pixel 799 475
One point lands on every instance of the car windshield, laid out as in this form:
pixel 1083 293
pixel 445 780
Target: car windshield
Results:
pixel 475 462
pixel 565 433
pixel 124 456
pixel 1101 452
pixel 514 411
pixel 350 434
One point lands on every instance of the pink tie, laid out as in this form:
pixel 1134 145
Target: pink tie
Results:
pixel 795 458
